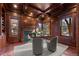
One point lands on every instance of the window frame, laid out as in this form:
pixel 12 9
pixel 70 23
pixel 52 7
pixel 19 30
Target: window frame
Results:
pixel 42 28
pixel 15 18
pixel 70 33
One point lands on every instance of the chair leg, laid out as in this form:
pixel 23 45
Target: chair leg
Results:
pixel 51 50
pixel 37 54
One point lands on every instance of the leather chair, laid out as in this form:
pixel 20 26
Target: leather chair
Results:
pixel 37 46
pixel 52 44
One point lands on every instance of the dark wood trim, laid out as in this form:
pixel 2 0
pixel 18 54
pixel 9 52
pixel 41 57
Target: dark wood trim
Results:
pixel 77 30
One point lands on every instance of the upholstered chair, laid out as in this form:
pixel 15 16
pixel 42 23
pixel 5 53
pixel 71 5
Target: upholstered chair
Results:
pixel 52 44
pixel 37 46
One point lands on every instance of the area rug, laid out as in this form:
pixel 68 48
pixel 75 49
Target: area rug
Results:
pixel 26 50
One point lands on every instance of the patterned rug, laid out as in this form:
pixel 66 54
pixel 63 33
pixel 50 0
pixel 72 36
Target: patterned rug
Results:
pixel 26 50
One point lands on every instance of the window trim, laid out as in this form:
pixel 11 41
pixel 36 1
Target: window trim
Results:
pixel 70 33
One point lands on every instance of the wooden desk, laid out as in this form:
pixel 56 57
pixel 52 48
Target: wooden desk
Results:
pixel 44 37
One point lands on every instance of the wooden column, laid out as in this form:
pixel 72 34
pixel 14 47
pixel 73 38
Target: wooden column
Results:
pixel 2 35
pixel 77 30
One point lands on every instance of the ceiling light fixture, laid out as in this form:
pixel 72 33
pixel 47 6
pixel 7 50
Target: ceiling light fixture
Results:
pixel 15 6
pixel 61 3
pixel 15 14
pixel 25 7
pixel 31 14
pixel 25 21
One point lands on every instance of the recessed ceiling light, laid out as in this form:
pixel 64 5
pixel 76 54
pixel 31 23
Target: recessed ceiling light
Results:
pixel 31 14
pixel 42 15
pixel 61 3
pixel 25 7
pixel 25 21
pixel 15 14
pixel 15 6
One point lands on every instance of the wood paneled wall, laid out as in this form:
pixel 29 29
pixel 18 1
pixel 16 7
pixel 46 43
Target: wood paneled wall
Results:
pixel 55 27
pixel 77 30
pixel 74 40
pixel 11 39
pixel 2 35
pixel 71 40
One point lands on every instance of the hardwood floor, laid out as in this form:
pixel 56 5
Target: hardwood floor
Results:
pixel 71 51
pixel 9 50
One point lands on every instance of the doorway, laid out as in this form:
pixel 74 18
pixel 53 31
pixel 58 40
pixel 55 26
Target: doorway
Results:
pixel 26 38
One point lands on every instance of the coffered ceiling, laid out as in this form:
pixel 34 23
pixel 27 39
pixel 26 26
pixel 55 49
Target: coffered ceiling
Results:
pixel 36 8
pixel 42 6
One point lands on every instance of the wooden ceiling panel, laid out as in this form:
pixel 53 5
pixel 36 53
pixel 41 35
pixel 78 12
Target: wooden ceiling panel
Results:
pixel 42 6
pixel 37 8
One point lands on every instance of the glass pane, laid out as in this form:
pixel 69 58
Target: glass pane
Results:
pixel 39 29
pixel 46 31
pixel 13 27
pixel 64 22
pixel 42 29
pixel 66 27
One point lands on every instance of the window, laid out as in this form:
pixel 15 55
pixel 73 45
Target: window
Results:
pixel 14 26
pixel 65 25
pixel 46 29
pixel 39 29
pixel 43 29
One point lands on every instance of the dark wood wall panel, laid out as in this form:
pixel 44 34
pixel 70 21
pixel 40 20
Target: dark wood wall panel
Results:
pixel 10 39
pixel 71 41
pixel 77 30
pixel 2 35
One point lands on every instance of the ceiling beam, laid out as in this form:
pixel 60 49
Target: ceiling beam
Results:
pixel 34 7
